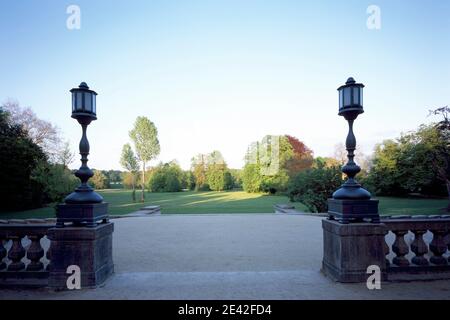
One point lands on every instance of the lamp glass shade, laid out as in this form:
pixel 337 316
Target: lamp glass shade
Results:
pixel 94 105
pixel 356 96
pixel 88 102
pixel 361 96
pixel 341 99
pixel 347 97
pixel 79 102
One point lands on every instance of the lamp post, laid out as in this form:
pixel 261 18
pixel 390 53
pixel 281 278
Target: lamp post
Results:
pixel 84 111
pixel 351 202
pixel 84 206
pixel 83 234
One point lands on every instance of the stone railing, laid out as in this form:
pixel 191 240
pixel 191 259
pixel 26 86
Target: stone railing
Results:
pixel 24 252
pixel 417 247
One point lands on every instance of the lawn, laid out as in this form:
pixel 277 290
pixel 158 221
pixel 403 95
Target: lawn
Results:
pixel 175 202
pixel 412 206
pixel 227 202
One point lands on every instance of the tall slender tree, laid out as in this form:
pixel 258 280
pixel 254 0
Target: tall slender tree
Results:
pixel 146 144
pixel 130 163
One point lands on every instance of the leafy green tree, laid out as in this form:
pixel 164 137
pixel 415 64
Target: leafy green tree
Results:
pixel 57 181
pixel 402 166
pixel 146 144
pixel 210 172
pixel 441 154
pixel 130 163
pixel 167 177
pixel 251 178
pixel 236 178
pixel 188 180
pixel 217 175
pixel 384 177
pixel 19 156
pixel 313 187
pixel 219 178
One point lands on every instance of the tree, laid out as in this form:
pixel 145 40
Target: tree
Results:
pixel 273 161
pixel 19 156
pixel 301 158
pixel 441 156
pixel 146 144
pixel 217 175
pixel 251 178
pixel 362 160
pixel 98 180
pixel 167 177
pixel 326 162
pixel 114 176
pixel 65 156
pixel 41 132
pixel 130 163
pixel 57 181
pixel 340 153
pixel 313 187
pixel 236 176
pixel 198 168
pixel 402 166
pixel 219 178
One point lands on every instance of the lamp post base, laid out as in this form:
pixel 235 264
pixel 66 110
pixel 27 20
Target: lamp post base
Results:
pixel 83 196
pixel 90 249
pixel 348 250
pixel 87 214
pixel 349 210
pixel 353 192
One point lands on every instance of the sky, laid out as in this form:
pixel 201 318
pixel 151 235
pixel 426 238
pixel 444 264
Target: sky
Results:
pixel 220 74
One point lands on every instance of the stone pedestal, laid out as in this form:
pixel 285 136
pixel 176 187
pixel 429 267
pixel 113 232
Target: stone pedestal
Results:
pixel 348 249
pixel 89 248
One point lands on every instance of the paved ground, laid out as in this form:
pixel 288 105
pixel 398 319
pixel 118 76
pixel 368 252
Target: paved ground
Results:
pixel 251 256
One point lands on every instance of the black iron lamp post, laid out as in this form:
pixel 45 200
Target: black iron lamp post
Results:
pixel 83 205
pixel 84 110
pixel 351 202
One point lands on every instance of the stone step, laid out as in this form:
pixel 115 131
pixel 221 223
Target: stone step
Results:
pixel 151 209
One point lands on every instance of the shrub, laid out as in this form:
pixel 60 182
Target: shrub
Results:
pixel 275 183
pixel 166 177
pixel 314 186
pixel 56 180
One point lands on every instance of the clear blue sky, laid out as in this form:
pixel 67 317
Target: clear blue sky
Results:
pixel 220 74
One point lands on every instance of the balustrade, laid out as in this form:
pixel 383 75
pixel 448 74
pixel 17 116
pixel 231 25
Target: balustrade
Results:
pixel 428 249
pixel 22 251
